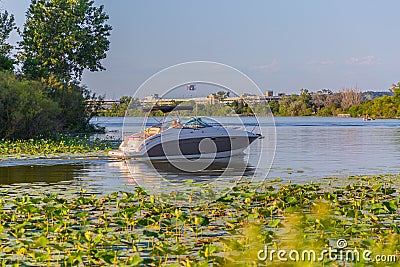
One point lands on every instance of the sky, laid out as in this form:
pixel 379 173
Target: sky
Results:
pixel 282 45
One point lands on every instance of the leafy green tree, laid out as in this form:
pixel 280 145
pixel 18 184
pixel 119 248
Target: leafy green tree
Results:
pixel 63 38
pixel 380 107
pixel 25 110
pixel 6 63
pixel 222 95
pixel 240 107
pixel 76 113
pixel 326 103
pixel 396 91
pixel 120 109
pixel 305 97
pixel 284 104
pixel 320 99
pixel 274 106
pixel 7 25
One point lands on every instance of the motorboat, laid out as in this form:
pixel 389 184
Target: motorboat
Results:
pixel 194 139
pixel 367 118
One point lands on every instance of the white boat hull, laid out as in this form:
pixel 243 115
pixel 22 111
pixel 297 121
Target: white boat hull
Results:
pixel 225 154
pixel 178 143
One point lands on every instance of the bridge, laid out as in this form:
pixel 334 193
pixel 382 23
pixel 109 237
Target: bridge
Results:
pixel 105 104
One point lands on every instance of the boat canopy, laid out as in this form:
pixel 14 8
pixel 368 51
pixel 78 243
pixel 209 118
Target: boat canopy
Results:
pixel 167 108
pixel 197 122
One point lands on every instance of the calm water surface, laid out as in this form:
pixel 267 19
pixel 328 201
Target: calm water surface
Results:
pixel 307 148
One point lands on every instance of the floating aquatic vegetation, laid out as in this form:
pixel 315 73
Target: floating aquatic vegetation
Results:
pixel 75 227
pixel 60 144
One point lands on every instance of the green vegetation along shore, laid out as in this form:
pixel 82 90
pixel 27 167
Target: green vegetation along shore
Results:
pixel 60 145
pixel 306 103
pixel 69 227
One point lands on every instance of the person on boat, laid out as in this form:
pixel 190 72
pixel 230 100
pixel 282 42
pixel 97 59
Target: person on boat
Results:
pixel 367 117
pixel 175 123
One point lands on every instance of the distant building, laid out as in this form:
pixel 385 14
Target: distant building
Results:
pixel 344 115
pixel 213 99
pixel 105 104
pixel 249 98
pixel 152 97
pixel 169 101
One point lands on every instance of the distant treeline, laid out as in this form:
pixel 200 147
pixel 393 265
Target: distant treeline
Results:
pixel 347 101
pixel 133 108
pixel 306 103
pixel 321 103
pixel 387 106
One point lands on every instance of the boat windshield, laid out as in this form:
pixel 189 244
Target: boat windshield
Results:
pixel 196 122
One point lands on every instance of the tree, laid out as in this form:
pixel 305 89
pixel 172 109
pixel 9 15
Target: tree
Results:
pixel 319 99
pixel 305 99
pixel 380 107
pixel 25 110
pixel 350 97
pixel 222 95
pixel 7 25
pixel 63 38
pixel 121 108
pixel 274 106
pixel 396 92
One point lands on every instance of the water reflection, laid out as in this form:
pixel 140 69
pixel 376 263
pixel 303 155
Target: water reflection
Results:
pixel 232 167
pixel 185 181
pixel 40 173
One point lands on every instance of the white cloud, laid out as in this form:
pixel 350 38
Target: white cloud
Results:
pixel 327 62
pixel 367 60
pixel 321 62
pixel 271 67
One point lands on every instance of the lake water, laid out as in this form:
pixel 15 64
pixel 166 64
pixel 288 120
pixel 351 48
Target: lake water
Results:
pixel 307 149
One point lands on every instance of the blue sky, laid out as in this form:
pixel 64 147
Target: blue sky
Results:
pixel 282 45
